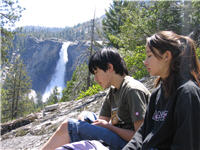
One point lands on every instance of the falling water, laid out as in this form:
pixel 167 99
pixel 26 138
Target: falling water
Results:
pixel 57 79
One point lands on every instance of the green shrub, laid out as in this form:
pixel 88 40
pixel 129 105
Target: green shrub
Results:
pixel 134 61
pixel 94 89
pixel 198 52
pixel 77 84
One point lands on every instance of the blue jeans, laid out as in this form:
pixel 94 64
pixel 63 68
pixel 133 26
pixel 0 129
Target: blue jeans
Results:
pixel 82 130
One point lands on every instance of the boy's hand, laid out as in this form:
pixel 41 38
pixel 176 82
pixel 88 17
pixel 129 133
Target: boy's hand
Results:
pixel 101 122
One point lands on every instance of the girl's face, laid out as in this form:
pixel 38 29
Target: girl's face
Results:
pixel 157 66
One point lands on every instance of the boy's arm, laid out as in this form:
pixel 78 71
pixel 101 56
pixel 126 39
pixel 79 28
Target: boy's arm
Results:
pixel 126 134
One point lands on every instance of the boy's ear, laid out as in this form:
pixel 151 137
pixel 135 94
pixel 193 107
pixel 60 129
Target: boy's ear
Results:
pixel 110 67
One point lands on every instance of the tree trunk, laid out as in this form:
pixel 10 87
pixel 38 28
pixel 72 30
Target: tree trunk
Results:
pixel 18 92
pixel 13 99
pixel 91 51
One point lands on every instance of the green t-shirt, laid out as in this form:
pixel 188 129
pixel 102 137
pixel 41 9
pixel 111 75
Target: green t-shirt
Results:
pixel 127 104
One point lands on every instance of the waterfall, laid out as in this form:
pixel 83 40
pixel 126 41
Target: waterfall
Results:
pixel 57 79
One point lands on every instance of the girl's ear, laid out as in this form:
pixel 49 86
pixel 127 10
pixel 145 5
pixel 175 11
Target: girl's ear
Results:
pixel 167 56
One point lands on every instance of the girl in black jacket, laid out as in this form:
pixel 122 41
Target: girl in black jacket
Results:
pixel 172 120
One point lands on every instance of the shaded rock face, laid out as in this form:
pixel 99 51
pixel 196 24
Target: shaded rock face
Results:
pixel 43 124
pixel 75 50
pixel 41 57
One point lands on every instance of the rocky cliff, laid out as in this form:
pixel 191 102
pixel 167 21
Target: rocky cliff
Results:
pixel 75 50
pixel 41 56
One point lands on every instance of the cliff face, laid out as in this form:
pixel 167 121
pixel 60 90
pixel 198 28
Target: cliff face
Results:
pixel 41 57
pixel 75 50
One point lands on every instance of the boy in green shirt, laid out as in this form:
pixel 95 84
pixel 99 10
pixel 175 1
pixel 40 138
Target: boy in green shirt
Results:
pixel 122 112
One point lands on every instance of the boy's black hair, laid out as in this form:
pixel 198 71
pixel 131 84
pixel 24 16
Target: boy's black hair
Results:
pixel 102 58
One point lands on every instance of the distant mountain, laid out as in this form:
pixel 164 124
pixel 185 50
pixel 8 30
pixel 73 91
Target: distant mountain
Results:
pixel 79 32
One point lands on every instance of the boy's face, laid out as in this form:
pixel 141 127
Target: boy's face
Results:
pixel 102 78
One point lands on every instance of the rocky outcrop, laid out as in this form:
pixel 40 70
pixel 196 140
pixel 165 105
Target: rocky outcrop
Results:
pixel 34 134
pixel 9 126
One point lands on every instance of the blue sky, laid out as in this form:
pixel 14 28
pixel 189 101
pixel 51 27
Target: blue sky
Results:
pixel 60 13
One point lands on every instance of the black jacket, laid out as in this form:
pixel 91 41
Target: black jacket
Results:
pixel 172 123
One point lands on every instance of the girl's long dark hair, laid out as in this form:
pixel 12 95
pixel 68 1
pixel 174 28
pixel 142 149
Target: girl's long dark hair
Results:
pixel 184 65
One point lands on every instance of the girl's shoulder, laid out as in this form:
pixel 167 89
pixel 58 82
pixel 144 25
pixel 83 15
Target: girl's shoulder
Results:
pixel 188 93
pixel 188 86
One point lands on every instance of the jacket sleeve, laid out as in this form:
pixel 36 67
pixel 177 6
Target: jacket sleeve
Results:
pixel 136 142
pixel 187 120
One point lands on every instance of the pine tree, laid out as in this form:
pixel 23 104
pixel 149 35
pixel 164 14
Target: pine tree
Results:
pixel 77 84
pixel 17 85
pixel 138 20
pixel 91 50
pixel 54 97
pixel 113 20
pixel 10 13
pixel 39 103
pixel 195 21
